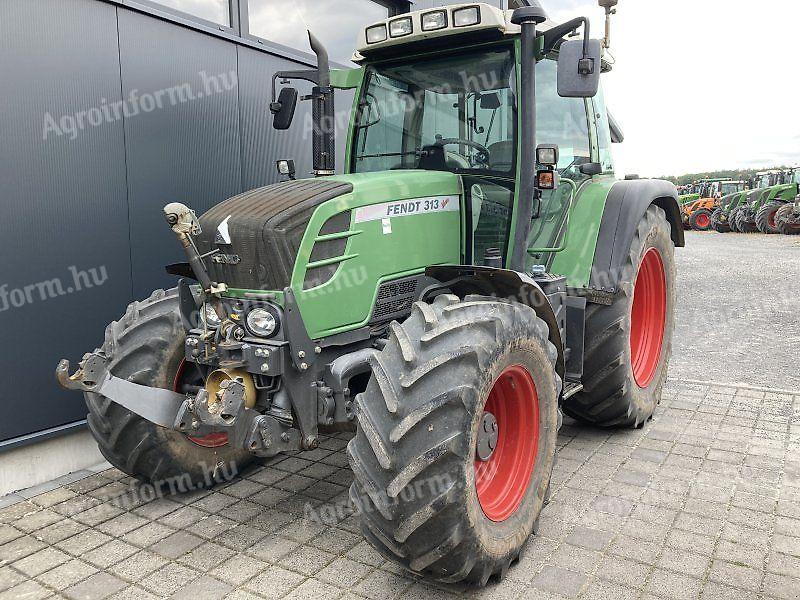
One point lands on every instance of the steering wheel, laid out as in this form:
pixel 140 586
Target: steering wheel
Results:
pixel 483 152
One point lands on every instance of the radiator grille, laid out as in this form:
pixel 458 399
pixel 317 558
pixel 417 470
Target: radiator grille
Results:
pixel 395 299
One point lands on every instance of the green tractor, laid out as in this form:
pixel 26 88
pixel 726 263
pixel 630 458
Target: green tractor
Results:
pixel 746 214
pixel 776 197
pixel 475 271
pixel 787 219
pixel 732 198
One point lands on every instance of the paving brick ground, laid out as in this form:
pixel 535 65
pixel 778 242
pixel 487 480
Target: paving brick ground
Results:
pixel 704 502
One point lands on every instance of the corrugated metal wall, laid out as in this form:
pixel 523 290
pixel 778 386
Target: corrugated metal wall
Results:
pixel 83 178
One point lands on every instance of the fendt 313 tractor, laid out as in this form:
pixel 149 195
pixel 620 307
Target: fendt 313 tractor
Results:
pixel 475 270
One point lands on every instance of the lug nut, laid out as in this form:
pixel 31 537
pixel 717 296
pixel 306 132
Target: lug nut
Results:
pixel 301 354
pixel 303 366
pixel 317 349
pixel 264 367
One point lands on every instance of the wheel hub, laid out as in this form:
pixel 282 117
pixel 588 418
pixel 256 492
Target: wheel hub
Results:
pixel 487 437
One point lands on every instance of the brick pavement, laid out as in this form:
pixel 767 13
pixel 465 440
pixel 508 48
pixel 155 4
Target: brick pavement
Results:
pixel 704 502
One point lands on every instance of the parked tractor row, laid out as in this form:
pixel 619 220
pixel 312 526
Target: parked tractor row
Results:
pixel 768 203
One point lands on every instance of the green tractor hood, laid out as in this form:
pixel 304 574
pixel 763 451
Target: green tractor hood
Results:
pixel 334 237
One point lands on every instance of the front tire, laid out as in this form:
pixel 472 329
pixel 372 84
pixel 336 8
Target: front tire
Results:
pixel 628 344
pixel 782 221
pixel 717 223
pixel 765 219
pixel 700 220
pixel 426 501
pixel 742 224
pixel 146 346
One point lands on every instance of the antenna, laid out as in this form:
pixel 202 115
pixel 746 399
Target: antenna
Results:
pixel 610 8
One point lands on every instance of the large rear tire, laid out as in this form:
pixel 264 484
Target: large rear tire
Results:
pixel 146 346
pixel 700 220
pixel 765 219
pixel 782 221
pixel 426 500
pixel 628 344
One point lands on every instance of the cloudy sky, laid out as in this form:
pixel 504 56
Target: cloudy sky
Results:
pixel 701 84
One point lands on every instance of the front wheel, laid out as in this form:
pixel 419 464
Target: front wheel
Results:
pixel 700 220
pixel 146 346
pixel 765 219
pixel 456 438
pixel 784 223
pixel 718 224
pixel 628 344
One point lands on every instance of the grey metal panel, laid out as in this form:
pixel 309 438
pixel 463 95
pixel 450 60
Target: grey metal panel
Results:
pixel 185 149
pixel 261 144
pixel 63 200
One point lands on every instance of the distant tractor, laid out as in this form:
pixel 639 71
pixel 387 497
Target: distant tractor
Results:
pixel 787 219
pixel 697 214
pixel 476 270
pixel 770 185
pixel 776 197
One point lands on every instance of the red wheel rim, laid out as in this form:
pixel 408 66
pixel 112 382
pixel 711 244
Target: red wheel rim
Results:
pixel 771 219
pixel 648 318
pixel 212 440
pixel 703 221
pixel 502 481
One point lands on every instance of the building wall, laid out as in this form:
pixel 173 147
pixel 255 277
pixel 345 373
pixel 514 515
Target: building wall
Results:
pixel 110 111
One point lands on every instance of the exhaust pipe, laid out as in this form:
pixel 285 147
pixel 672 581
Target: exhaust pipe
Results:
pixel 323 114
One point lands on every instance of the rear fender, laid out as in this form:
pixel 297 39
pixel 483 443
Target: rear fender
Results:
pixel 463 280
pixel 627 203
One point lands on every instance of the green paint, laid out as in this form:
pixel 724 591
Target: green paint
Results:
pixel 346 79
pixel 372 256
pixel 577 259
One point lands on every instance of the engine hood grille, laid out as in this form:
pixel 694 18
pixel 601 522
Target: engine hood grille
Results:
pixel 259 232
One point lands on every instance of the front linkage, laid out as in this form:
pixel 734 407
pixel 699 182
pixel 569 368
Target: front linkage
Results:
pixel 308 378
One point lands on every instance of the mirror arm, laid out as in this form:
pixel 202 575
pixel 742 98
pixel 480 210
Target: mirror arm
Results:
pixel 311 75
pixel 555 35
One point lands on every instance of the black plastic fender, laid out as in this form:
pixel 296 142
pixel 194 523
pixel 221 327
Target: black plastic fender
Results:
pixel 502 283
pixel 627 203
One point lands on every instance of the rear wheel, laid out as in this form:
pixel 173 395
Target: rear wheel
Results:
pixel 700 220
pixel 456 438
pixel 628 344
pixel 782 221
pixel 765 219
pixel 146 346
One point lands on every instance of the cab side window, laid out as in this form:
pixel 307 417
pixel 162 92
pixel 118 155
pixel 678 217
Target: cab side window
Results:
pixel 561 121
pixel 603 133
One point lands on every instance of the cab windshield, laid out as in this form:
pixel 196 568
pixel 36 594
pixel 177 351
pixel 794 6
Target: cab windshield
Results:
pixel 454 113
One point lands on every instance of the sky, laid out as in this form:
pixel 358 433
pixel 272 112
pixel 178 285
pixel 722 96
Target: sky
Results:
pixel 700 85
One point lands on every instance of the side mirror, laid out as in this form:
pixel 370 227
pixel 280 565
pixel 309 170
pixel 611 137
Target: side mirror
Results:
pixel 283 109
pixel 579 75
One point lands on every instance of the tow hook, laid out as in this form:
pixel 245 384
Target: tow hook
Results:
pixel 154 404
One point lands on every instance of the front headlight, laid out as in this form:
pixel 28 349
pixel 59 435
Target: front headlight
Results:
pixel 210 317
pixel 261 322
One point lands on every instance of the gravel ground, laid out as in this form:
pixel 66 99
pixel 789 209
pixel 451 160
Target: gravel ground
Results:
pixel 738 310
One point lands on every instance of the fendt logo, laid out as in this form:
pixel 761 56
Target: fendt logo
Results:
pixel 407 208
